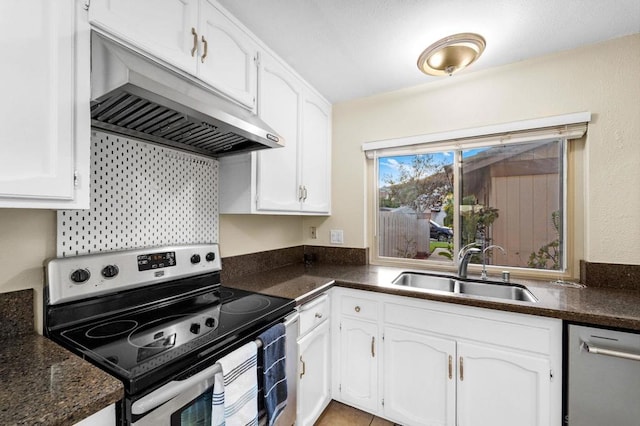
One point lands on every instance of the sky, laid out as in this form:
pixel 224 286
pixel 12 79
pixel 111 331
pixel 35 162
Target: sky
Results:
pixel 390 166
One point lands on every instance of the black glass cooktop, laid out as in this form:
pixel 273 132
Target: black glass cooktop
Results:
pixel 139 343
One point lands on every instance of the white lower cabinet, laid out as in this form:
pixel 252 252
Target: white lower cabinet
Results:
pixel 419 378
pixel 501 387
pixel 314 352
pixel 445 364
pixel 359 363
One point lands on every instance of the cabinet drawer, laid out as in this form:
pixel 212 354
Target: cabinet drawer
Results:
pixel 359 308
pixel 314 313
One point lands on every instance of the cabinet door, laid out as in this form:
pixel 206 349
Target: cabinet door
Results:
pixel 359 364
pixel 419 378
pixel 316 154
pixel 500 387
pixel 277 169
pixel 161 28
pixel 42 76
pixel 228 57
pixel 314 387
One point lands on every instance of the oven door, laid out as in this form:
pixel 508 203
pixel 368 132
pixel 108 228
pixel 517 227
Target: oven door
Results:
pixel 178 403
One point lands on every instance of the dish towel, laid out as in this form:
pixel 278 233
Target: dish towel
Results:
pixel 217 400
pixel 274 371
pixel 240 395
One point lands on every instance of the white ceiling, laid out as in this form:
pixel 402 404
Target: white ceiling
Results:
pixel 353 48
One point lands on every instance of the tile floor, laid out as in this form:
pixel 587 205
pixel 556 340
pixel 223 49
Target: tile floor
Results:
pixel 338 414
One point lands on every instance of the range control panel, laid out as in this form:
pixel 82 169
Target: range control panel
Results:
pixel 79 277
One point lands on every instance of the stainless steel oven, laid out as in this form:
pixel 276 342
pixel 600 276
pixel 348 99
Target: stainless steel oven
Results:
pixel 158 319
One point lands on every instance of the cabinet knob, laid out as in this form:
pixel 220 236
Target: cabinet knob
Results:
pixel 318 315
pixel 357 308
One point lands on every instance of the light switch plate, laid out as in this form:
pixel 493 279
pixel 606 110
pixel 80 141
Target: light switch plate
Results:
pixel 337 236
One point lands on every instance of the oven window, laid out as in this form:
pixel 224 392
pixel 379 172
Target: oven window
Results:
pixel 195 413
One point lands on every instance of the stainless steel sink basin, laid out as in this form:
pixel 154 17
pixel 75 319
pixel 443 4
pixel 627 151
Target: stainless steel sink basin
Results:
pixel 497 290
pixel 440 284
pixel 426 282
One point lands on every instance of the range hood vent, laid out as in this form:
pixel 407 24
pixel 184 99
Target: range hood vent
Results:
pixel 135 96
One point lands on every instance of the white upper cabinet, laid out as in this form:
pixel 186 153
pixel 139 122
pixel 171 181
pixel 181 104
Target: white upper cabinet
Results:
pixel 191 35
pixel 316 154
pixel 294 179
pixel 161 28
pixel 228 56
pixel 44 83
pixel 280 101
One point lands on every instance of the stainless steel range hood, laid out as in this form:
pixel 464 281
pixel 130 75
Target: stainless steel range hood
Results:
pixel 138 97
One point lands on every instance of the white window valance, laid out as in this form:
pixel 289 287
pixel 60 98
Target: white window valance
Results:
pixel 567 126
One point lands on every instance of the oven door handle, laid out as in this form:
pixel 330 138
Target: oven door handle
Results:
pixel 171 390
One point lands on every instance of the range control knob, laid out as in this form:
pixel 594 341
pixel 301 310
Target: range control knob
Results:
pixel 110 271
pixel 80 276
pixel 195 259
pixel 195 328
pixel 211 256
pixel 210 322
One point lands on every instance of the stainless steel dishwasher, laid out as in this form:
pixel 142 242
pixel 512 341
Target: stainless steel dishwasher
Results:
pixel 603 383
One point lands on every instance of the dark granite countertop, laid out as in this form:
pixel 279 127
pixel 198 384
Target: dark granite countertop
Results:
pixel 41 383
pixel 44 384
pixel 598 306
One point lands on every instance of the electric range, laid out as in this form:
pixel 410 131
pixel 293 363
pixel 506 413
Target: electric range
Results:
pixel 152 317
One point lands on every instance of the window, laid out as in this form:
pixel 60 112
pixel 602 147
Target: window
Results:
pixel 505 196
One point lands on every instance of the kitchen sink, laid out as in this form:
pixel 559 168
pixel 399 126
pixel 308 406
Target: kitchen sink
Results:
pixel 507 291
pixel 426 282
pixel 446 284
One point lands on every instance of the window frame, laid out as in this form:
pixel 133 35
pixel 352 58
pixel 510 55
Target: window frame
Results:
pixel 567 133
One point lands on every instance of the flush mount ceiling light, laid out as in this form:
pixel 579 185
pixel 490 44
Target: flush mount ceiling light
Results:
pixel 451 54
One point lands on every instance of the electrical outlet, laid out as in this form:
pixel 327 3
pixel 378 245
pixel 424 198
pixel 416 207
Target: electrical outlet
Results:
pixel 337 236
pixel 314 232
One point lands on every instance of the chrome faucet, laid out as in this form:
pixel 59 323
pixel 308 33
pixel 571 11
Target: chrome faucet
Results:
pixel 484 258
pixel 463 258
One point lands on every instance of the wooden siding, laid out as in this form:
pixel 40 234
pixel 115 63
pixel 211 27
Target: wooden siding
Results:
pixel 525 204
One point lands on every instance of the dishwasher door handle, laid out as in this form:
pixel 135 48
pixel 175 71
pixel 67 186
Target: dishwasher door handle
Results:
pixel 609 352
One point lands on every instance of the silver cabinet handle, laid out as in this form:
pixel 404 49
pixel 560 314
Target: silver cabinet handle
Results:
pixel 461 369
pixel 318 315
pixel 373 346
pixel 357 308
pixel 206 45
pixel 195 41
pixel 304 367
pixel 609 352
pixel 304 197
pixel 450 367
pixel 300 193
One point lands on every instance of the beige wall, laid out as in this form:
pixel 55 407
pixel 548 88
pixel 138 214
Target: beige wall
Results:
pixel 27 238
pixel 603 79
pixel 242 234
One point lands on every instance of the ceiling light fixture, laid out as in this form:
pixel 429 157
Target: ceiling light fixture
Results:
pixel 451 54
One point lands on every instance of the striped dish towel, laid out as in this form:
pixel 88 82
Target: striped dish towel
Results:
pixel 240 386
pixel 274 371
pixel 217 400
